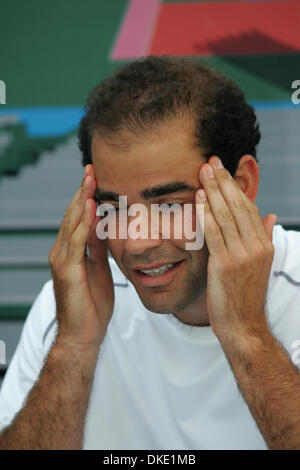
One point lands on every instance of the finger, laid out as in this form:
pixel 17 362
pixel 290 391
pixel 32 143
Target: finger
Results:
pixel 220 210
pixel 89 170
pixel 97 247
pixel 212 232
pixel 78 241
pixel 264 232
pixel 59 245
pixel 77 208
pixel 269 221
pixel 236 204
pixel 73 215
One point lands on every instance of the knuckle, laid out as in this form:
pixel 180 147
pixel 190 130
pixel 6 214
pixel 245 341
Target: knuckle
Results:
pixel 243 260
pixel 60 269
pixel 64 272
pixel 206 209
pixel 213 228
pixel 225 216
pixel 78 237
pixel 60 272
pixel 74 241
pixel 227 267
pixel 259 252
pixel 212 184
pixel 51 257
pixel 224 176
pixel 67 213
pixel 254 209
pixel 238 204
pixel 65 228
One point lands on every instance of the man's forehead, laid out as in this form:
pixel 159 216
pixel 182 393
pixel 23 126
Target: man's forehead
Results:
pixel 136 164
pixel 176 128
pixel 116 141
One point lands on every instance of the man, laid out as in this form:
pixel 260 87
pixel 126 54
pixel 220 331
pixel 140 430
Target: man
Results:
pixel 163 347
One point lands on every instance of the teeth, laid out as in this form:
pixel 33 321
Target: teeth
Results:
pixel 158 271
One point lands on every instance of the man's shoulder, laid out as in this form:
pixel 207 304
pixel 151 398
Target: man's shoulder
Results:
pixel 283 299
pixel 286 261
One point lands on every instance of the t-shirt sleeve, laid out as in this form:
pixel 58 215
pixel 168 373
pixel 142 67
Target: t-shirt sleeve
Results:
pixel 29 356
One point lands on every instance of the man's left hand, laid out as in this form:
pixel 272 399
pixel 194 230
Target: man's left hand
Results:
pixel 240 255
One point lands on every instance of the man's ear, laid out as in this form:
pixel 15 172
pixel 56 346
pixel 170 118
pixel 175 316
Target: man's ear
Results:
pixel 247 176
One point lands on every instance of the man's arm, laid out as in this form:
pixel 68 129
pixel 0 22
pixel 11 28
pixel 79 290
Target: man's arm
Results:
pixel 240 259
pixel 53 416
pixel 270 384
pixel 54 413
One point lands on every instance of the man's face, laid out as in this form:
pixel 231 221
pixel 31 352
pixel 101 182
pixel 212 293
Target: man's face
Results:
pixel 131 166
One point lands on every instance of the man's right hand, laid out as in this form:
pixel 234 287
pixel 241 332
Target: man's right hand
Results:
pixel 84 295
pixel 83 283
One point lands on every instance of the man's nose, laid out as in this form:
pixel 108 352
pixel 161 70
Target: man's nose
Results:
pixel 138 246
pixel 142 237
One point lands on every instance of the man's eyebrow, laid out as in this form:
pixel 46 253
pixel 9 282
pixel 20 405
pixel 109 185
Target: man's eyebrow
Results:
pixel 164 189
pixel 106 195
pixel 148 193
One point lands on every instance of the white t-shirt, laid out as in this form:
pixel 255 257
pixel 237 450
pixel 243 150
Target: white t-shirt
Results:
pixel 159 383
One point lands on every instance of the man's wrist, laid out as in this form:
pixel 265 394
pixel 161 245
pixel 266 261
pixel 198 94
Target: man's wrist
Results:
pixel 248 341
pixel 63 347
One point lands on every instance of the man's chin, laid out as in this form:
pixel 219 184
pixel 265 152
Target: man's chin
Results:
pixel 165 301
pixel 173 297
pixel 157 301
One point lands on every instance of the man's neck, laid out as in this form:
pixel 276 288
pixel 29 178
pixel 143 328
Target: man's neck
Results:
pixel 196 313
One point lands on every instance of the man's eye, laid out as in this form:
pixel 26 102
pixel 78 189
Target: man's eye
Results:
pixel 175 206
pixel 99 203
pixel 112 209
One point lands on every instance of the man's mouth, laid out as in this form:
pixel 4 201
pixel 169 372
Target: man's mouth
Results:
pixel 157 271
pixel 159 275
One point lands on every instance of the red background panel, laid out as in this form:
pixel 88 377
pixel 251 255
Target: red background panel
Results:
pixel 227 28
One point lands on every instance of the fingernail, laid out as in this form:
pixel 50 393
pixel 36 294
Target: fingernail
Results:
pixel 217 162
pixel 209 171
pixel 201 195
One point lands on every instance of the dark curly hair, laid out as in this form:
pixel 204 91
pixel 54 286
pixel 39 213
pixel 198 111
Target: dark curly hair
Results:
pixel 148 91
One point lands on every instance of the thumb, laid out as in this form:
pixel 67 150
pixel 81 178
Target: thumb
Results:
pixel 269 221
